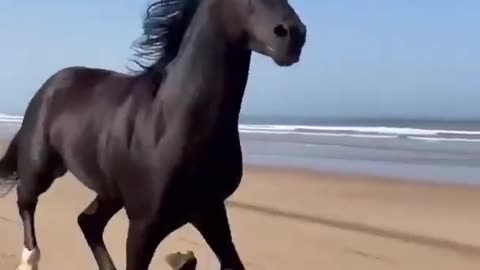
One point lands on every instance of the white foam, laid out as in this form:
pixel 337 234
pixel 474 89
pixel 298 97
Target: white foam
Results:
pixel 441 139
pixel 374 132
pixel 6 118
pixel 359 129
pixel 321 134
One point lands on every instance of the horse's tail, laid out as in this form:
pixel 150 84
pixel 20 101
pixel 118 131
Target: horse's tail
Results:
pixel 8 168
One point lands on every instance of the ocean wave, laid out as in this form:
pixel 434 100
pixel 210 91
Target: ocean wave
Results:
pixel 442 139
pixel 366 136
pixel 373 132
pixel 399 131
pixel 6 118
pixel 318 134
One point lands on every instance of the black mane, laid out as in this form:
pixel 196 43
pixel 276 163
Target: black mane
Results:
pixel 164 25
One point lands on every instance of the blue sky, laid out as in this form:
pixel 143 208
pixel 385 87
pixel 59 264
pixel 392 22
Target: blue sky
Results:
pixel 369 58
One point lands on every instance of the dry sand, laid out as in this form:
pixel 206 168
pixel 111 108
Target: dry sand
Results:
pixel 285 219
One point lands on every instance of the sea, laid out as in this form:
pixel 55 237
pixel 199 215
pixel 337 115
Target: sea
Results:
pixel 440 151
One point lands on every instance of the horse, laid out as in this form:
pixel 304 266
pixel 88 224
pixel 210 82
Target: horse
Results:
pixel 163 142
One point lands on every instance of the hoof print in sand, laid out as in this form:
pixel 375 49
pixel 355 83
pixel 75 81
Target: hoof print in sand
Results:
pixel 182 261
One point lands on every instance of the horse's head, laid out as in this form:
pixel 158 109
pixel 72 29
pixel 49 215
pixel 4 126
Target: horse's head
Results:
pixel 272 28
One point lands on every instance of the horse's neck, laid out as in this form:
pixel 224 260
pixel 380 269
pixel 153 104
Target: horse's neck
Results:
pixel 206 82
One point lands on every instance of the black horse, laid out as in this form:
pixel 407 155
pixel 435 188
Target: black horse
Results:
pixel 162 143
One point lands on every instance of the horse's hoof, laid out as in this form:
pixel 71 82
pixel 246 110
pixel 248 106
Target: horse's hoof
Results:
pixel 27 267
pixel 30 259
pixel 182 261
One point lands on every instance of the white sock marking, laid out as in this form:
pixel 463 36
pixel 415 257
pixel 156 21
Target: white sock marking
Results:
pixel 30 259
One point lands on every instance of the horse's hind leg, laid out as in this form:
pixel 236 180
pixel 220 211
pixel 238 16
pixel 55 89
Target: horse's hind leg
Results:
pixel 27 199
pixel 28 191
pixel 214 227
pixel 93 221
pixel 38 168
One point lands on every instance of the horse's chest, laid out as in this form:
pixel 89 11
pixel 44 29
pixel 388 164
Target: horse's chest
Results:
pixel 219 172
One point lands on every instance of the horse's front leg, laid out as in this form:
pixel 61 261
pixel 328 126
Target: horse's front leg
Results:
pixel 93 221
pixel 214 227
pixel 144 236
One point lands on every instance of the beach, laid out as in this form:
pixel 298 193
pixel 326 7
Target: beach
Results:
pixel 312 197
pixel 358 124
pixel 284 219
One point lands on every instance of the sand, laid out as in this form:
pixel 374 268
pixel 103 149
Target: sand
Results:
pixel 284 219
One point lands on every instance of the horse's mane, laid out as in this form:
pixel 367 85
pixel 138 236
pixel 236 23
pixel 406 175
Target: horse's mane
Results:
pixel 164 25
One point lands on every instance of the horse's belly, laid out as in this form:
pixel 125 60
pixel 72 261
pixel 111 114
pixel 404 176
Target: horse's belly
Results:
pixel 85 168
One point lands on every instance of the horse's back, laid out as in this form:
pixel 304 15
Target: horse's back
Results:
pixel 71 98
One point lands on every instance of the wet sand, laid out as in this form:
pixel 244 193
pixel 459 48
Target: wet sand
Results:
pixel 284 219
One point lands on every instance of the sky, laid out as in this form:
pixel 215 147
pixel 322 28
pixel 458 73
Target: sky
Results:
pixel 369 58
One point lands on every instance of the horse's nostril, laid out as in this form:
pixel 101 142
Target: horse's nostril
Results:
pixel 280 30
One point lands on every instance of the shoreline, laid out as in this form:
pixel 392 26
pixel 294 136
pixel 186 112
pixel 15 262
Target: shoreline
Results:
pixel 450 163
pixel 336 173
pixel 350 176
